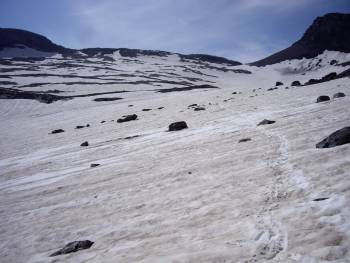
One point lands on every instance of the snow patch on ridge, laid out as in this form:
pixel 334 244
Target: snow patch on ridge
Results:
pixel 23 51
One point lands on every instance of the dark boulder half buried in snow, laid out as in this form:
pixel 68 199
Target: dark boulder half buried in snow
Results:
pixel 322 98
pixel 278 83
pixel 296 83
pixel 337 138
pixel 84 144
pixel 73 247
pixel 176 126
pixel 57 131
pixel 264 122
pixel 338 95
pixel 127 118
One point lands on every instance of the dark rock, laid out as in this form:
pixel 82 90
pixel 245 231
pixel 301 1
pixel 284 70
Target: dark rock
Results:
pixel 244 140
pixel 80 127
pixel 87 125
pixel 322 98
pixel 337 138
pixel 107 99
pixel 85 144
pixel 271 89
pixel 312 81
pixel 160 108
pixel 345 64
pixel 103 121
pixel 94 165
pixel 234 93
pixel 127 118
pixel 330 76
pixel 333 62
pixel 130 105
pixel 199 108
pixel 296 83
pixel 265 121
pixel 278 83
pixel 176 126
pixel 146 109
pixel 320 199
pixel 73 247
pixel 338 95
pixel 9 93
pixel 57 131
pixel 192 105
pixel 131 137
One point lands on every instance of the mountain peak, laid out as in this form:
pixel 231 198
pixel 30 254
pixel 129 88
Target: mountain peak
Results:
pixel 11 37
pixel 328 32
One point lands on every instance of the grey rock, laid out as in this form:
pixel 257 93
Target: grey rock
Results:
pixel 337 138
pixel 338 95
pixel 176 126
pixel 265 121
pixel 322 98
pixel 84 144
pixel 127 118
pixel 57 131
pixel 73 247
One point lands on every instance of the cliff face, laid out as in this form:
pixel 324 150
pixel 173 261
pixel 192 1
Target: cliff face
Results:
pixel 329 32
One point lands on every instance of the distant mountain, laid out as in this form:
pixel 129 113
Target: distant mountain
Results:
pixel 12 38
pixel 328 32
pixel 17 38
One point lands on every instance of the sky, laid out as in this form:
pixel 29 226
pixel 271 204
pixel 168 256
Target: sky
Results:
pixel 242 30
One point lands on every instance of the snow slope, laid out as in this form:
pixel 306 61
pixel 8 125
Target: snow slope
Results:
pixel 196 195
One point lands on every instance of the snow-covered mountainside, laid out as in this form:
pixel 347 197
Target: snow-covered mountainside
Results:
pixel 223 190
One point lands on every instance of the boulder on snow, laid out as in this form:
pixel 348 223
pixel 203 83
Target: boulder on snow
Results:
pixel 265 121
pixel 199 108
pixel 73 247
pixel 322 98
pixel 127 118
pixel 320 199
pixel 338 95
pixel 57 131
pixel 278 83
pixel 176 126
pixel 337 138
pixel 296 83
pixel 244 140
pixel 94 165
pixel 84 144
